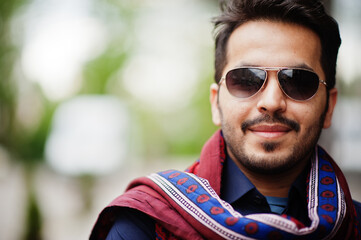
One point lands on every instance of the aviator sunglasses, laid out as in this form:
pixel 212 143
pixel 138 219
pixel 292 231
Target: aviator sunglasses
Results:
pixel 297 83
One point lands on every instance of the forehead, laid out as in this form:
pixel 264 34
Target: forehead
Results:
pixel 273 44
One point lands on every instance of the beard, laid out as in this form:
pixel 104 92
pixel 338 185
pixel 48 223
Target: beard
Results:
pixel 272 164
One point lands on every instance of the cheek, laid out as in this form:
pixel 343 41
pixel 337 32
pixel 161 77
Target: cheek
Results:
pixel 234 111
pixel 309 116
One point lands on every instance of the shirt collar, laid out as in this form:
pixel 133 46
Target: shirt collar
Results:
pixel 234 183
pixel 299 186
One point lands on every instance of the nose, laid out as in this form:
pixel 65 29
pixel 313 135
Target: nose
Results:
pixel 271 98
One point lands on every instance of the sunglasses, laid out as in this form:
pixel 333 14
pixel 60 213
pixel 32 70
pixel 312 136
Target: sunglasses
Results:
pixel 297 83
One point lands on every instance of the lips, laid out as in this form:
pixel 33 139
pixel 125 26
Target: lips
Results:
pixel 270 128
pixel 270 131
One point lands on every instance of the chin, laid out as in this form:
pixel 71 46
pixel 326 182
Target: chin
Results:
pixel 269 162
pixel 269 166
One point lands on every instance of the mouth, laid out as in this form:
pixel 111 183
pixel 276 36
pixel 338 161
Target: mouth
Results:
pixel 270 131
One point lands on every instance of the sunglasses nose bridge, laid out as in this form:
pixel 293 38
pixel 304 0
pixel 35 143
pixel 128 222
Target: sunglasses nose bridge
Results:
pixel 272 88
pixel 270 75
pixel 271 99
pixel 274 74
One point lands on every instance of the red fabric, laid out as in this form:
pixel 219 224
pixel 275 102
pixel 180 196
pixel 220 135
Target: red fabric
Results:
pixel 144 195
pixel 350 225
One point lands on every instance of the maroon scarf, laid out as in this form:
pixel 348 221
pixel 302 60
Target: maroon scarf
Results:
pixel 171 220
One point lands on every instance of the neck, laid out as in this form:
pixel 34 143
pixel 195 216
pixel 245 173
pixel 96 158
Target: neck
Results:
pixel 274 185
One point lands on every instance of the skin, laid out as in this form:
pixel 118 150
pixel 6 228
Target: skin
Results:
pixel 260 139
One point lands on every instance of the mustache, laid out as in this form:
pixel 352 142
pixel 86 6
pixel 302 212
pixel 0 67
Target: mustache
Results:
pixel 271 119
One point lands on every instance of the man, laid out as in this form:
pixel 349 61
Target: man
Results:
pixel 262 176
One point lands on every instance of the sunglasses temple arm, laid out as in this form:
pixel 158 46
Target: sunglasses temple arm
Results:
pixel 323 82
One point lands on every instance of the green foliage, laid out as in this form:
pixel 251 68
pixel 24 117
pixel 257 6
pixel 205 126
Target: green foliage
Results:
pixel 199 125
pixel 29 146
pixel 7 89
pixel 182 132
pixel 179 133
pixel 8 54
pixel 99 71
pixel 8 7
pixel 33 219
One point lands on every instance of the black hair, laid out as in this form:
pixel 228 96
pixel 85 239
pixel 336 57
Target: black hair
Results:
pixel 308 13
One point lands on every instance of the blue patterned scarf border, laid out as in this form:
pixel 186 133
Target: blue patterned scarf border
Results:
pixel 326 206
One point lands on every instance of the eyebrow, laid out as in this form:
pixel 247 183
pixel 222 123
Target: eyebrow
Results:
pixel 300 65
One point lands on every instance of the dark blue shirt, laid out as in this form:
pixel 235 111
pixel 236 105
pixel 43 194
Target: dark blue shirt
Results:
pixel 237 190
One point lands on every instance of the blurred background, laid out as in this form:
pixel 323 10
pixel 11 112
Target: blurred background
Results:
pixel 95 93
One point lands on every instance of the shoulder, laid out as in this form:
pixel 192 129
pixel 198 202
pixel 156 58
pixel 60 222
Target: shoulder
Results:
pixel 357 206
pixel 358 210
pixel 132 224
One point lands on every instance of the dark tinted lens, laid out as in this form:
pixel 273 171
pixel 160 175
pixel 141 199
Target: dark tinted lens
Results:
pixel 298 84
pixel 245 82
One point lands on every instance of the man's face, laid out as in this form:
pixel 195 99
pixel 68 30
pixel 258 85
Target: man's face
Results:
pixel 269 132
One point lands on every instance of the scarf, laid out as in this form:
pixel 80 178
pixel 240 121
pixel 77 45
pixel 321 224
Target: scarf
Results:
pixel 186 205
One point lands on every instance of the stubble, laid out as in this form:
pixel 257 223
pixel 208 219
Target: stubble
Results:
pixel 273 164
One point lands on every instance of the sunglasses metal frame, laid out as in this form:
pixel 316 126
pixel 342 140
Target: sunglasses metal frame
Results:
pixel 266 70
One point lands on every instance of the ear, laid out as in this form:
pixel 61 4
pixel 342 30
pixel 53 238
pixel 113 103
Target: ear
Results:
pixel 216 115
pixel 331 106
